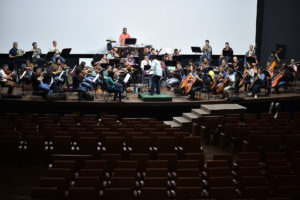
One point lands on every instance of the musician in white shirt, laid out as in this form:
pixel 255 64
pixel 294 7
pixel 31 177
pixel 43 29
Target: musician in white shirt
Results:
pixel 57 52
pixel 144 62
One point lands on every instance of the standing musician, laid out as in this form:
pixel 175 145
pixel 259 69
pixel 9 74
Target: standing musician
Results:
pixel 207 52
pixel 57 52
pixel 6 79
pixel 157 74
pixel 228 51
pixel 124 35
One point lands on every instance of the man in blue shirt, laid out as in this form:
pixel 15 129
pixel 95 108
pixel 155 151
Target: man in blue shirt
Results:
pixel 261 83
pixel 157 74
pixel 16 60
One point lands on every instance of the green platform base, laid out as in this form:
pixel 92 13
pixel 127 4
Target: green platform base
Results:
pixel 155 97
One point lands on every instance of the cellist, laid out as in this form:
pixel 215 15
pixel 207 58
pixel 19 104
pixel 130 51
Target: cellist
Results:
pixel 273 62
pixel 283 78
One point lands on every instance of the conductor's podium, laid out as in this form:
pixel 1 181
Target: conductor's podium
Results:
pixel 155 97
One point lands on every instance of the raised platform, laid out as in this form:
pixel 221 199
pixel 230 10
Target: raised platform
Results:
pixel 155 97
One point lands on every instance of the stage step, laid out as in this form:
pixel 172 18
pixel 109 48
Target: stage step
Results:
pixel 190 116
pixel 223 109
pixel 185 123
pixel 200 112
pixel 172 124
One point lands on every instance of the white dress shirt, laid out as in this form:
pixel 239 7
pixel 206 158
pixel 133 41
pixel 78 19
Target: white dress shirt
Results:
pixel 156 67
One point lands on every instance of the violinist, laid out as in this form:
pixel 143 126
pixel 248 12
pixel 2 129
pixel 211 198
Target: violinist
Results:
pixel 6 79
pixel 104 59
pixel 237 65
pixel 187 68
pixel 113 86
pixel 231 82
pixel 28 69
pixel 294 66
pixel 176 52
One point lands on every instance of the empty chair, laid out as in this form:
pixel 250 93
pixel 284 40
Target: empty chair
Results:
pixel 217 163
pixel 88 145
pixel 279 180
pixel 247 163
pixel 71 164
pixel 157 164
pixel 140 144
pixel 155 182
pixel 226 181
pixel 292 142
pixel 122 182
pixel 185 193
pixel 192 145
pixel 61 144
pixel 58 183
pixel 48 193
pixel 171 157
pixel 95 164
pixel 271 142
pixel 185 164
pixel 218 172
pixel 91 172
pixel 246 181
pixel 280 170
pixel 223 193
pixel 288 190
pixel 189 182
pixel 127 164
pixel 248 155
pixel 166 144
pixel 229 158
pixel 148 193
pixel 8 144
pixel 120 172
pixel 117 193
pixel 87 181
pixel 195 172
pixel 79 193
pixel 257 192
pixel 248 171
pixel 35 144
pixel 60 172
pixel 156 172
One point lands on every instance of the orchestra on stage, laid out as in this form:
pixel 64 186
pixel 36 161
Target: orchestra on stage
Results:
pixel 125 67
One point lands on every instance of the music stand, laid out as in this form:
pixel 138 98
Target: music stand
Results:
pixel 250 59
pixel 49 55
pixel 28 55
pixel 147 67
pixel 129 41
pixel 104 65
pixel 136 66
pixel 196 49
pixel 170 63
pixel 228 53
pixel 65 52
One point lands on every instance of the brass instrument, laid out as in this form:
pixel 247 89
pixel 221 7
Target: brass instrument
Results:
pixel 20 52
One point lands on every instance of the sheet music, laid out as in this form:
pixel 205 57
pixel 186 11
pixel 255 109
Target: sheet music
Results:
pixel 23 75
pixel 97 76
pixel 126 79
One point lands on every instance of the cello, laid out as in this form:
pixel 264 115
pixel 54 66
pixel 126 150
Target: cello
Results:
pixel 220 89
pixel 215 84
pixel 274 64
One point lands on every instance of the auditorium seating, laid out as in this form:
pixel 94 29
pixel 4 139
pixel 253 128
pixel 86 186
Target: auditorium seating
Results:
pixel 91 157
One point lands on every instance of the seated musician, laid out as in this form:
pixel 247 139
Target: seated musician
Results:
pixel 112 54
pixel 40 82
pixel 152 53
pixel 187 68
pixel 146 51
pixel 15 57
pixel 175 76
pixel 28 69
pixel 6 79
pixel 57 80
pixel 294 67
pixel 202 84
pixel 79 85
pixel 113 86
pixel 36 56
pixel 57 52
pixel 251 74
pixel 222 69
pixel 286 78
pixel 249 53
pixel 207 52
pixel 228 50
pixel 123 36
pixel 261 83
pixel 237 65
pixel 104 59
pixel 131 60
pixel 231 84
